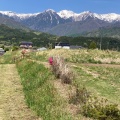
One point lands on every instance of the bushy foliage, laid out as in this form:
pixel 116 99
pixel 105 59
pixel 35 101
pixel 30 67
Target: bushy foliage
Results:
pixel 6 49
pixel 14 48
pixel 92 45
pixel 62 70
pixel 94 107
pixel 2 46
pixel 80 97
pixel 101 110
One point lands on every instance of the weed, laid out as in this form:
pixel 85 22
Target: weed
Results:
pixel 101 110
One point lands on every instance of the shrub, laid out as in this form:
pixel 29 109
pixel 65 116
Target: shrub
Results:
pixel 6 49
pixel 93 45
pixel 93 107
pixel 14 48
pixel 81 96
pixel 101 112
pixel 62 70
pixel 2 46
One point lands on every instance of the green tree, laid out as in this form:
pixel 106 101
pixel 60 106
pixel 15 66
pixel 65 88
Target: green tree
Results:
pixel 93 45
pixel 14 48
pixel 2 46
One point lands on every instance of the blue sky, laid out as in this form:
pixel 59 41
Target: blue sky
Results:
pixel 33 6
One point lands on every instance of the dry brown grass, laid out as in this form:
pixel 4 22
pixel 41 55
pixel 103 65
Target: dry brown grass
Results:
pixel 62 70
pixel 12 103
pixel 85 56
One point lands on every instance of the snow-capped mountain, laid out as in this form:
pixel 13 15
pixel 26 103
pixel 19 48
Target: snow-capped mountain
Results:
pixel 83 15
pixel 44 21
pixel 17 16
pixel 65 14
pixel 111 17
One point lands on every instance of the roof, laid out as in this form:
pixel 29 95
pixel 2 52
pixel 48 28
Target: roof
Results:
pixel 62 44
pixel 26 43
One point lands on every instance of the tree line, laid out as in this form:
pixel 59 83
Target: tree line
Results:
pixel 9 36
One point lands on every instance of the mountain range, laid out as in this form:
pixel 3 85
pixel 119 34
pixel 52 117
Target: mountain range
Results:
pixel 60 23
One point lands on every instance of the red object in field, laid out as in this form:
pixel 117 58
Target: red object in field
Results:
pixel 51 60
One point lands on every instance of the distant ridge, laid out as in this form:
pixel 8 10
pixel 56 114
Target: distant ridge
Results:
pixel 61 23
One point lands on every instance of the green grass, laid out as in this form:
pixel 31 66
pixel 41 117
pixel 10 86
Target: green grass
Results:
pixel 37 81
pixel 7 58
pixel 106 84
pixel 40 57
pixel 40 94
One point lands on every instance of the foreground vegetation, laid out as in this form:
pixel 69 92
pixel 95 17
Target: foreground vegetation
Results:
pixel 92 90
pixel 40 94
pixel 100 81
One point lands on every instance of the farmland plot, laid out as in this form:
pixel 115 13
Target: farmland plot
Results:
pixel 12 103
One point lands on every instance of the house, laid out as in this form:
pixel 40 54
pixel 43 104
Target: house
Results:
pixel 2 51
pixel 62 45
pixel 27 45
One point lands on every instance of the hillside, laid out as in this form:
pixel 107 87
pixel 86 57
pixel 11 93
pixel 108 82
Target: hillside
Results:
pixel 12 23
pixel 113 32
pixel 9 36
pixel 87 25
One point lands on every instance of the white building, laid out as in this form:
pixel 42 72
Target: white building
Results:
pixel 2 51
pixel 62 45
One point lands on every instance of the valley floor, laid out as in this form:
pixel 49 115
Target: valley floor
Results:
pixel 12 103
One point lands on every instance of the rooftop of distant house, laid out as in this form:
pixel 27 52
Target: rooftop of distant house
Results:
pixel 61 44
pixel 26 43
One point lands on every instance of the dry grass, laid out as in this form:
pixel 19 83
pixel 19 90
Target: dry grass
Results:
pixel 62 70
pixel 12 103
pixel 85 56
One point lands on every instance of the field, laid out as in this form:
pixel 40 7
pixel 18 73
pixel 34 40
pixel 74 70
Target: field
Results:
pixel 12 102
pixel 96 71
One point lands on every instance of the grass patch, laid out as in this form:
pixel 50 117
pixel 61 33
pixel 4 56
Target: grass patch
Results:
pixel 106 84
pixel 40 94
pixel 7 58
pixel 39 57
pixel 85 56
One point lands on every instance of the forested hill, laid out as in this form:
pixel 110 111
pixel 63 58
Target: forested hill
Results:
pixel 106 42
pixel 9 36
pixel 14 36
pixel 113 32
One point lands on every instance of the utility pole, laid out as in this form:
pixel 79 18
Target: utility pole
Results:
pixel 100 38
pixel 100 27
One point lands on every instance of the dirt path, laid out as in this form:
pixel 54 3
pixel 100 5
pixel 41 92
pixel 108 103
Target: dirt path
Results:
pixel 12 103
pixel 104 65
